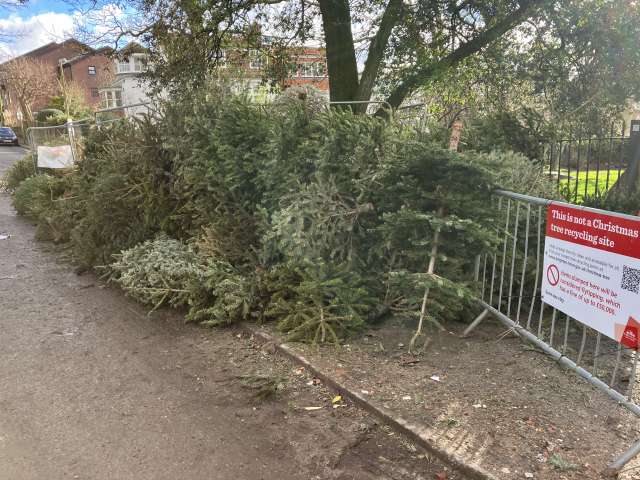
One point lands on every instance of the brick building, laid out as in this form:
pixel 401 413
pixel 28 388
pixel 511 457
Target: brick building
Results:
pixel 91 71
pixel 311 69
pixel 242 66
pixel 88 68
pixel 308 67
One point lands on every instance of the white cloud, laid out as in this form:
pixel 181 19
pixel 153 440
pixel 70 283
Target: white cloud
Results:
pixel 102 22
pixel 21 35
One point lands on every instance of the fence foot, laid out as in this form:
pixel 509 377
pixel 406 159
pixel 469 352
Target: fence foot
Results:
pixel 475 323
pixel 618 464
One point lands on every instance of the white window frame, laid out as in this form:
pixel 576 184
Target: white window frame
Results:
pixel 321 69
pixel 256 60
pixel 138 59
pixel 111 98
pixel 311 70
pixel 134 63
pixel 123 66
pixel 91 70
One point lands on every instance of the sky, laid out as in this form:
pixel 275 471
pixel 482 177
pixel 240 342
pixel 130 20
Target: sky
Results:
pixel 39 22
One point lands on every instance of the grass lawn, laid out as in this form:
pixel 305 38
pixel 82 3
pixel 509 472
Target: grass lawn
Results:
pixel 590 181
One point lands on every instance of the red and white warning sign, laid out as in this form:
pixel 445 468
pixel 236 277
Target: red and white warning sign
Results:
pixel 592 270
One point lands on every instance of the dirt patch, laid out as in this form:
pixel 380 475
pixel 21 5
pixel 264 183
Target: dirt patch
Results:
pixel 333 438
pixel 489 398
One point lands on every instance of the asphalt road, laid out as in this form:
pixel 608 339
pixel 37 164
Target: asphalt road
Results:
pixel 91 387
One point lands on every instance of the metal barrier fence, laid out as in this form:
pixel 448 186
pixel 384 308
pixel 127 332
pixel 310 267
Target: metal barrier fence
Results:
pixel 130 110
pixel 510 280
pixel 70 134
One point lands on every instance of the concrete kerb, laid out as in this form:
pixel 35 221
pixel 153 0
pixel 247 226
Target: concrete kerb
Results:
pixel 416 433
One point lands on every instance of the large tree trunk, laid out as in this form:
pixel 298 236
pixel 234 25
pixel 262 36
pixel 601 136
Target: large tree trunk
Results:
pixel 340 51
pixel 376 51
pixel 629 181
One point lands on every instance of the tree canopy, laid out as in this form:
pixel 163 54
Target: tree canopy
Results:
pixel 571 53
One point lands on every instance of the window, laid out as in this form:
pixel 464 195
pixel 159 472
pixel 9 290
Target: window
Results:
pixel 321 69
pixel 256 60
pixel 123 66
pixel 95 93
pixel 308 70
pixel 139 63
pixel 111 98
pixel 312 70
pixel 92 70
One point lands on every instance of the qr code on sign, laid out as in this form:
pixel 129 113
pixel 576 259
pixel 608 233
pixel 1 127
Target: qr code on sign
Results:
pixel 630 279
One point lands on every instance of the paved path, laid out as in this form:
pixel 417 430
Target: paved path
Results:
pixel 90 387
pixel 93 388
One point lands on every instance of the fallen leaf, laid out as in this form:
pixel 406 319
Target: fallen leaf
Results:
pixel 441 476
pixel 336 399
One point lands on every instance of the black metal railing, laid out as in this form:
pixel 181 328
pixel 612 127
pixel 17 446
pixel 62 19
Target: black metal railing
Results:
pixel 588 165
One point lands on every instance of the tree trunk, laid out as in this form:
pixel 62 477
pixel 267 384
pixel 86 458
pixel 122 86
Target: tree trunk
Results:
pixel 376 51
pixel 340 51
pixel 629 181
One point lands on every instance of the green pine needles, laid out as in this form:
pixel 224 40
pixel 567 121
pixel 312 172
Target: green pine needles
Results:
pixel 320 221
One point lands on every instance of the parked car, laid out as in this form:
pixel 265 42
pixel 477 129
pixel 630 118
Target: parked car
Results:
pixel 8 136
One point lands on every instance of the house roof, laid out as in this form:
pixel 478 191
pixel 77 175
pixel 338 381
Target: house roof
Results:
pixel 82 47
pixel 132 47
pixel 99 51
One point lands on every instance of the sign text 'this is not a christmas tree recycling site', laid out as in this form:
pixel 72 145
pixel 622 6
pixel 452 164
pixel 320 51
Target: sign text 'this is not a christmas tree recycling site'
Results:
pixel 592 270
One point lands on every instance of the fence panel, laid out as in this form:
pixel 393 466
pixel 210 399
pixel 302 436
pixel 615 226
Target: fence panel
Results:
pixel 68 135
pixel 510 280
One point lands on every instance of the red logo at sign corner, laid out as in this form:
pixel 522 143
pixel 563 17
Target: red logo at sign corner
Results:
pixel 629 337
pixel 553 275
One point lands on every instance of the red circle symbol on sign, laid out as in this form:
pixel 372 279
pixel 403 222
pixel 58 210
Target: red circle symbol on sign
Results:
pixel 553 275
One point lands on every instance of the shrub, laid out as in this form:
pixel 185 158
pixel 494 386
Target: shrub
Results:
pixel 35 195
pixel 614 201
pixel 18 172
pixel 318 301
pixel 515 172
pixel 224 297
